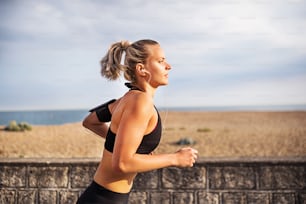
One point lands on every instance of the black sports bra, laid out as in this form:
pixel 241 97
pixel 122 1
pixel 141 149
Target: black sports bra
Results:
pixel 149 141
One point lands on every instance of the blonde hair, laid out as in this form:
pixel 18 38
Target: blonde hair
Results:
pixel 137 52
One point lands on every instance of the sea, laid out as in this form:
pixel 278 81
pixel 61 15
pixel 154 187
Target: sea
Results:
pixel 59 117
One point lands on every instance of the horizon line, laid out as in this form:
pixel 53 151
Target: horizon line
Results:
pixel 293 107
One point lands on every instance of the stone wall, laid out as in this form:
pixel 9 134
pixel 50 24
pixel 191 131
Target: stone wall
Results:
pixel 213 181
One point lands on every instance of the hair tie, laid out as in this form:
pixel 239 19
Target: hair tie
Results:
pixel 125 44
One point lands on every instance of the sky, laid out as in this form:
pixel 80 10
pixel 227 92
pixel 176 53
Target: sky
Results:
pixel 222 52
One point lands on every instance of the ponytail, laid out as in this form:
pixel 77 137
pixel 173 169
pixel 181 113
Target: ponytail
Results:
pixel 111 66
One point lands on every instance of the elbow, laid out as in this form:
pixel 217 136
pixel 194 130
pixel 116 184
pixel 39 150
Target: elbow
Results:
pixel 121 167
pixel 85 123
pixel 90 121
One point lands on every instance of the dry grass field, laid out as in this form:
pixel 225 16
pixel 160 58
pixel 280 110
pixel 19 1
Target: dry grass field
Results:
pixel 216 134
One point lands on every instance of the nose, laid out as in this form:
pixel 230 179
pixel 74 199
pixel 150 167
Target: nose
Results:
pixel 168 66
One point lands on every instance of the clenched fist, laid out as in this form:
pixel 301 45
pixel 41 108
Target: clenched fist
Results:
pixel 186 157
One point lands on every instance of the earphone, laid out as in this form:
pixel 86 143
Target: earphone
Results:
pixel 146 74
pixel 143 71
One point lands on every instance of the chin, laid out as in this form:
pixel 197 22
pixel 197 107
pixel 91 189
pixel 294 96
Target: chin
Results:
pixel 163 83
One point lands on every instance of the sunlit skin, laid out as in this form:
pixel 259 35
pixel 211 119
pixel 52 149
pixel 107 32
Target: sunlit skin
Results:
pixel 134 116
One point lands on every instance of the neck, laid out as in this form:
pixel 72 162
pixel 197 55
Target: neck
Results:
pixel 145 87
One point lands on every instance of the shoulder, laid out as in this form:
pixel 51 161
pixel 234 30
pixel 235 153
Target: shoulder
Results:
pixel 138 102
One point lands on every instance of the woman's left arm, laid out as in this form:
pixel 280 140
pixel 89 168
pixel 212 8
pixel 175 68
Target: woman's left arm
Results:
pixel 97 120
pixel 92 123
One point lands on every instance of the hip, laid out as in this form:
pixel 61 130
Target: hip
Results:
pixel 96 193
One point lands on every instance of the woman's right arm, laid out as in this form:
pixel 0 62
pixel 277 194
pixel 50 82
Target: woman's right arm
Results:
pixel 133 123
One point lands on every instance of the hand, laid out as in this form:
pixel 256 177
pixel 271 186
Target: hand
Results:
pixel 186 157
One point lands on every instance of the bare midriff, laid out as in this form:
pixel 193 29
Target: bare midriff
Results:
pixel 111 180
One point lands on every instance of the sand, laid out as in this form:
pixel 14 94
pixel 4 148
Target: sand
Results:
pixel 216 134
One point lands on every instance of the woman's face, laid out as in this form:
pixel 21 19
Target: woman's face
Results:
pixel 156 66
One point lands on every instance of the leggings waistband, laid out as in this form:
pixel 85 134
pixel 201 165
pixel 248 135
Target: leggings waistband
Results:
pixel 96 193
pixel 103 190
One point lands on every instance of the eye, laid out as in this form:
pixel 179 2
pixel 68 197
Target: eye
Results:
pixel 161 60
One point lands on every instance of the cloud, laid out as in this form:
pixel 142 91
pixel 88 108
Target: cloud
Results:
pixel 214 47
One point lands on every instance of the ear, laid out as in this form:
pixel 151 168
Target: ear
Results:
pixel 140 69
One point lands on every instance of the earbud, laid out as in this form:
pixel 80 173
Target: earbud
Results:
pixel 146 74
pixel 145 71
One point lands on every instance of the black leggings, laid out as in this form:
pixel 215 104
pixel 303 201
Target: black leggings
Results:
pixel 95 194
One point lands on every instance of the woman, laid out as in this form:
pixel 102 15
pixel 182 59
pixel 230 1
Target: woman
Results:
pixel 135 128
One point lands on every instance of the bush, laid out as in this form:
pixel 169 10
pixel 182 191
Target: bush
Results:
pixel 203 130
pixel 25 126
pixel 13 126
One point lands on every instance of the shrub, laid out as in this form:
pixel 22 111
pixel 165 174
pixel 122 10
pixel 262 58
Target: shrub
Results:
pixel 25 126
pixel 169 128
pixel 13 126
pixel 204 130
